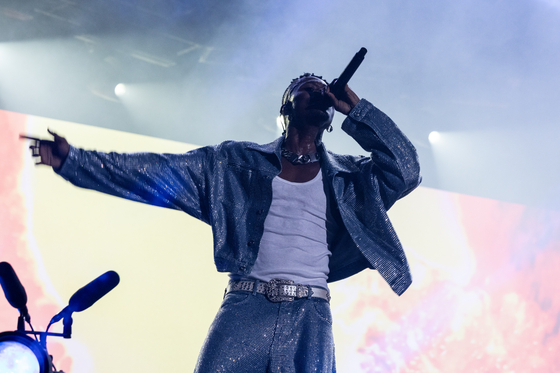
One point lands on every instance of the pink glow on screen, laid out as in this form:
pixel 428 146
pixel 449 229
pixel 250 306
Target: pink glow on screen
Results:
pixel 14 246
pixel 505 318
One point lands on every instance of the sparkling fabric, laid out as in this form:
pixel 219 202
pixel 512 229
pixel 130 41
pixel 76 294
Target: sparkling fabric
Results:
pixel 229 186
pixel 253 335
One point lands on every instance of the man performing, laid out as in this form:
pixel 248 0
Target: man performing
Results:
pixel 287 218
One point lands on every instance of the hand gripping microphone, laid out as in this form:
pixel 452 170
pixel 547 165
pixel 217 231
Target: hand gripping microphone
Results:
pixel 89 294
pixel 337 86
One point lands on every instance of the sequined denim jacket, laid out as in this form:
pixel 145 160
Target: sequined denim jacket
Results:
pixel 229 186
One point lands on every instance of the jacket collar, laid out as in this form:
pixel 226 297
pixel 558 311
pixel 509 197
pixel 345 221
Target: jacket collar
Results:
pixel 334 163
pixel 270 148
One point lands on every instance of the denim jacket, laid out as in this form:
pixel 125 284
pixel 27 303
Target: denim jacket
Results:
pixel 229 186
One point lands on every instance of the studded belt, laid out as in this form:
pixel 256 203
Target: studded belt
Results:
pixel 278 290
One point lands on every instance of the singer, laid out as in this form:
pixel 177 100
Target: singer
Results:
pixel 287 217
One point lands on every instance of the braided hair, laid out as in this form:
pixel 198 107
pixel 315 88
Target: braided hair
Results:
pixel 295 82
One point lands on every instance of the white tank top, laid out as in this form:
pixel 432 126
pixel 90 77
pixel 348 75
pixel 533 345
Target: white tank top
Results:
pixel 294 242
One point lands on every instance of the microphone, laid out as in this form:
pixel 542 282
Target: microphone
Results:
pixel 92 292
pixel 337 86
pixel 13 289
pixel 89 294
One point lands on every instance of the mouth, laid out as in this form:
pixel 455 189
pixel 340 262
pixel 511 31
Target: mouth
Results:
pixel 318 101
pixel 322 105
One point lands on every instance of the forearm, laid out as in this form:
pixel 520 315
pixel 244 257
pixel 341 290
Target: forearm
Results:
pixel 143 177
pixel 389 148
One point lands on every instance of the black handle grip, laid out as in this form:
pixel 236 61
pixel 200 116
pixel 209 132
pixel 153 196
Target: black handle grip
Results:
pixel 337 86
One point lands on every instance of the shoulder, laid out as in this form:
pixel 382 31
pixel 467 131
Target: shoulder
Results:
pixel 239 151
pixel 223 148
pixel 343 158
pixel 232 147
pixel 344 162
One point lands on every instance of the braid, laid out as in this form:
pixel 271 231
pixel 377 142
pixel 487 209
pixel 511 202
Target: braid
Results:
pixel 295 81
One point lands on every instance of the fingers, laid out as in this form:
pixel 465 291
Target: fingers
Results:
pixel 47 154
pixel 352 97
pixel 339 105
pixel 22 136
pixel 57 138
pixel 35 150
pixel 35 144
pixel 62 147
pixel 28 137
pixel 50 153
pixel 43 149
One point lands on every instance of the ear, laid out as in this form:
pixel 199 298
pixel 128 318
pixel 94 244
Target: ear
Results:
pixel 286 109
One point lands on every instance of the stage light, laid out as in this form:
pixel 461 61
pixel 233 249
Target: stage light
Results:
pixel 434 137
pixel 120 89
pixel 21 354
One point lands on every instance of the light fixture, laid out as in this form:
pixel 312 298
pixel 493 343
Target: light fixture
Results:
pixel 434 137
pixel 22 354
pixel 120 89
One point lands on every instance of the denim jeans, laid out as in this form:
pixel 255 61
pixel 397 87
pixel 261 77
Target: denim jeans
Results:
pixel 251 334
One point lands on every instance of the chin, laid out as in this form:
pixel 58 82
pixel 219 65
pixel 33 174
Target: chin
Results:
pixel 318 115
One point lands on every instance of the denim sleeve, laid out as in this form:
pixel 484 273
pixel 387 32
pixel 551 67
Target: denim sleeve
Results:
pixel 176 181
pixel 393 159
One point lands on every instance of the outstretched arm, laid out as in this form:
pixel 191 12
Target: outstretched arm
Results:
pixel 174 181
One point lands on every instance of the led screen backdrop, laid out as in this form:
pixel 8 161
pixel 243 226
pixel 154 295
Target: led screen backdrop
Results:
pixel 484 297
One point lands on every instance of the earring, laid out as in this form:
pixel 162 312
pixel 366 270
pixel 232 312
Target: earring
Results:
pixel 329 128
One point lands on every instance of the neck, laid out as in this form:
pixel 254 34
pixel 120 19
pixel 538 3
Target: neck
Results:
pixel 302 141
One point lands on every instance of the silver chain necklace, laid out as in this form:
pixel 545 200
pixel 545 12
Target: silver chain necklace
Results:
pixel 297 159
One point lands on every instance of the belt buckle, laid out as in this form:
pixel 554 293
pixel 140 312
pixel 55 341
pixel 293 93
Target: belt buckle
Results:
pixel 279 290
